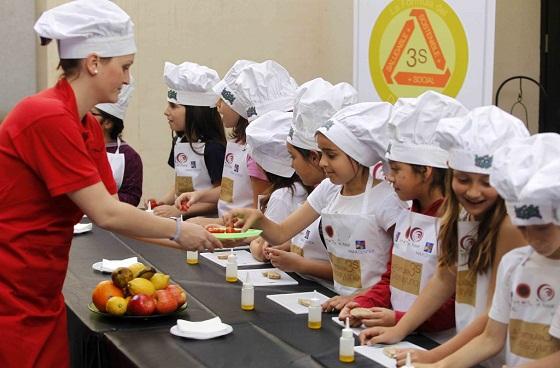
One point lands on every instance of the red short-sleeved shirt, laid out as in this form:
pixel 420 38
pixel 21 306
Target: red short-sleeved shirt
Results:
pixel 46 152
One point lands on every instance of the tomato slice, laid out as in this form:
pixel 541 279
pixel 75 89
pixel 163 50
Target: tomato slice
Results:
pixel 216 230
pixel 153 203
pixel 232 230
pixel 184 206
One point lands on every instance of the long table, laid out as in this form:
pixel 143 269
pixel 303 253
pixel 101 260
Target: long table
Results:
pixel 269 336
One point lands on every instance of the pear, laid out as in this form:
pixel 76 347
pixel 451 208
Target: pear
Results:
pixel 160 280
pixel 141 286
pixel 121 276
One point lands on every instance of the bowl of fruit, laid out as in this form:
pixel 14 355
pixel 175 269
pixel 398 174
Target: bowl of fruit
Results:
pixel 137 291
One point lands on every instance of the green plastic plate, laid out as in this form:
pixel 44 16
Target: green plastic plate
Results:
pixel 247 234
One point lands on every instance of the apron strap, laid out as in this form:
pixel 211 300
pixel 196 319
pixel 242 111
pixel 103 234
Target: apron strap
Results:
pixel 118 145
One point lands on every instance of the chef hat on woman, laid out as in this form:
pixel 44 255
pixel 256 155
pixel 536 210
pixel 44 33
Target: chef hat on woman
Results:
pixel 413 125
pixel 224 90
pixel 118 109
pixel 82 27
pixel 471 140
pixel 315 102
pixel 526 173
pixel 360 131
pixel 266 142
pixel 265 87
pixel 190 84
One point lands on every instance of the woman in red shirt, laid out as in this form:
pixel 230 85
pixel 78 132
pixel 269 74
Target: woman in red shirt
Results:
pixel 54 165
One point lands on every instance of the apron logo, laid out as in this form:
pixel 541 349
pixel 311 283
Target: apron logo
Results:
pixel 236 168
pixel 228 96
pixel 484 162
pixel 526 212
pixel 329 230
pixel 466 242
pixel 307 233
pixel 181 158
pixel 545 292
pixel 229 158
pixel 291 133
pixel 193 164
pixel 360 244
pixel 171 94
pixel 415 234
pixel 523 290
pixel 328 125
pixel 428 247
pixel 388 152
pixel 251 111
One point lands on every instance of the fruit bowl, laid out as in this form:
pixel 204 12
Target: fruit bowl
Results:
pixel 94 309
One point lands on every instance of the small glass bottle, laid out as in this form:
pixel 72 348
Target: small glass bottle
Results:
pixel 346 348
pixel 231 268
pixel 314 314
pixel 248 295
pixel 192 257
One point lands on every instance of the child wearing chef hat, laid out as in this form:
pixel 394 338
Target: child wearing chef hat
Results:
pixel 125 162
pixel 356 212
pixel 475 231
pixel 525 172
pixel 198 146
pixel 316 101
pixel 250 90
pixel 418 169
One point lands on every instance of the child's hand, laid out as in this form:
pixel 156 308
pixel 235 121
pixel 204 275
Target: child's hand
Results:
pixel 187 199
pixel 242 217
pixel 336 303
pixel 345 313
pixel 166 210
pixel 381 317
pixel 417 356
pixel 286 261
pixel 381 335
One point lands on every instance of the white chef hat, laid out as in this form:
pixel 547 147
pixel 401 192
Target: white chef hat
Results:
pixel 266 86
pixel 471 139
pixel 315 102
pixel 82 27
pixel 266 142
pixel 526 173
pixel 224 90
pixel 190 84
pixel 118 109
pixel 412 128
pixel 360 130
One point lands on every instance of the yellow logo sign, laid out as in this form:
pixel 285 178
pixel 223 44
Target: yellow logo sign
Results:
pixel 417 46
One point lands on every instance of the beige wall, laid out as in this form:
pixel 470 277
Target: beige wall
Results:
pixel 309 37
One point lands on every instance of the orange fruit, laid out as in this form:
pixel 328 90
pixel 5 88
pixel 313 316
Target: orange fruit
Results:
pixel 103 292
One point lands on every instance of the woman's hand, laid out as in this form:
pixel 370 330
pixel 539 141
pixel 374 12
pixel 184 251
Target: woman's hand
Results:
pixel 336 303
pixel 195 237
pixel 243 217
pixel 286 261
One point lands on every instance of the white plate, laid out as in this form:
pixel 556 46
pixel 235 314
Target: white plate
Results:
pixel 291 301
pixel 201 336
pixel 244 258
pixel 98 266
pixel 82 228
pixel 257 278
pixel 375 352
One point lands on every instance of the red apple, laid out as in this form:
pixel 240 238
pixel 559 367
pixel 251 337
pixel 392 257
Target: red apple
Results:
pixel 141 305
pixel 165 301
pixel 179 294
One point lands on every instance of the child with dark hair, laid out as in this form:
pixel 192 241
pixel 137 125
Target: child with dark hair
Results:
pixel 199 140
pixel 125 162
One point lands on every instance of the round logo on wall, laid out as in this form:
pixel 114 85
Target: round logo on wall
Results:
pixel 417 46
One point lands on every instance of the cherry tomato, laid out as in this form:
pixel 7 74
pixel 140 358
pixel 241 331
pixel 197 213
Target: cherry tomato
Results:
pixel 153 203
pixel 232 230
pixel 184 206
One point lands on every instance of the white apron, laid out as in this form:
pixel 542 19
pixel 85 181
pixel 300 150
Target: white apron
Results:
pixel 190 169
pixel 358 248
pixel 236 189
pixel 117 162
pixel 532 312
pixel 414 258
